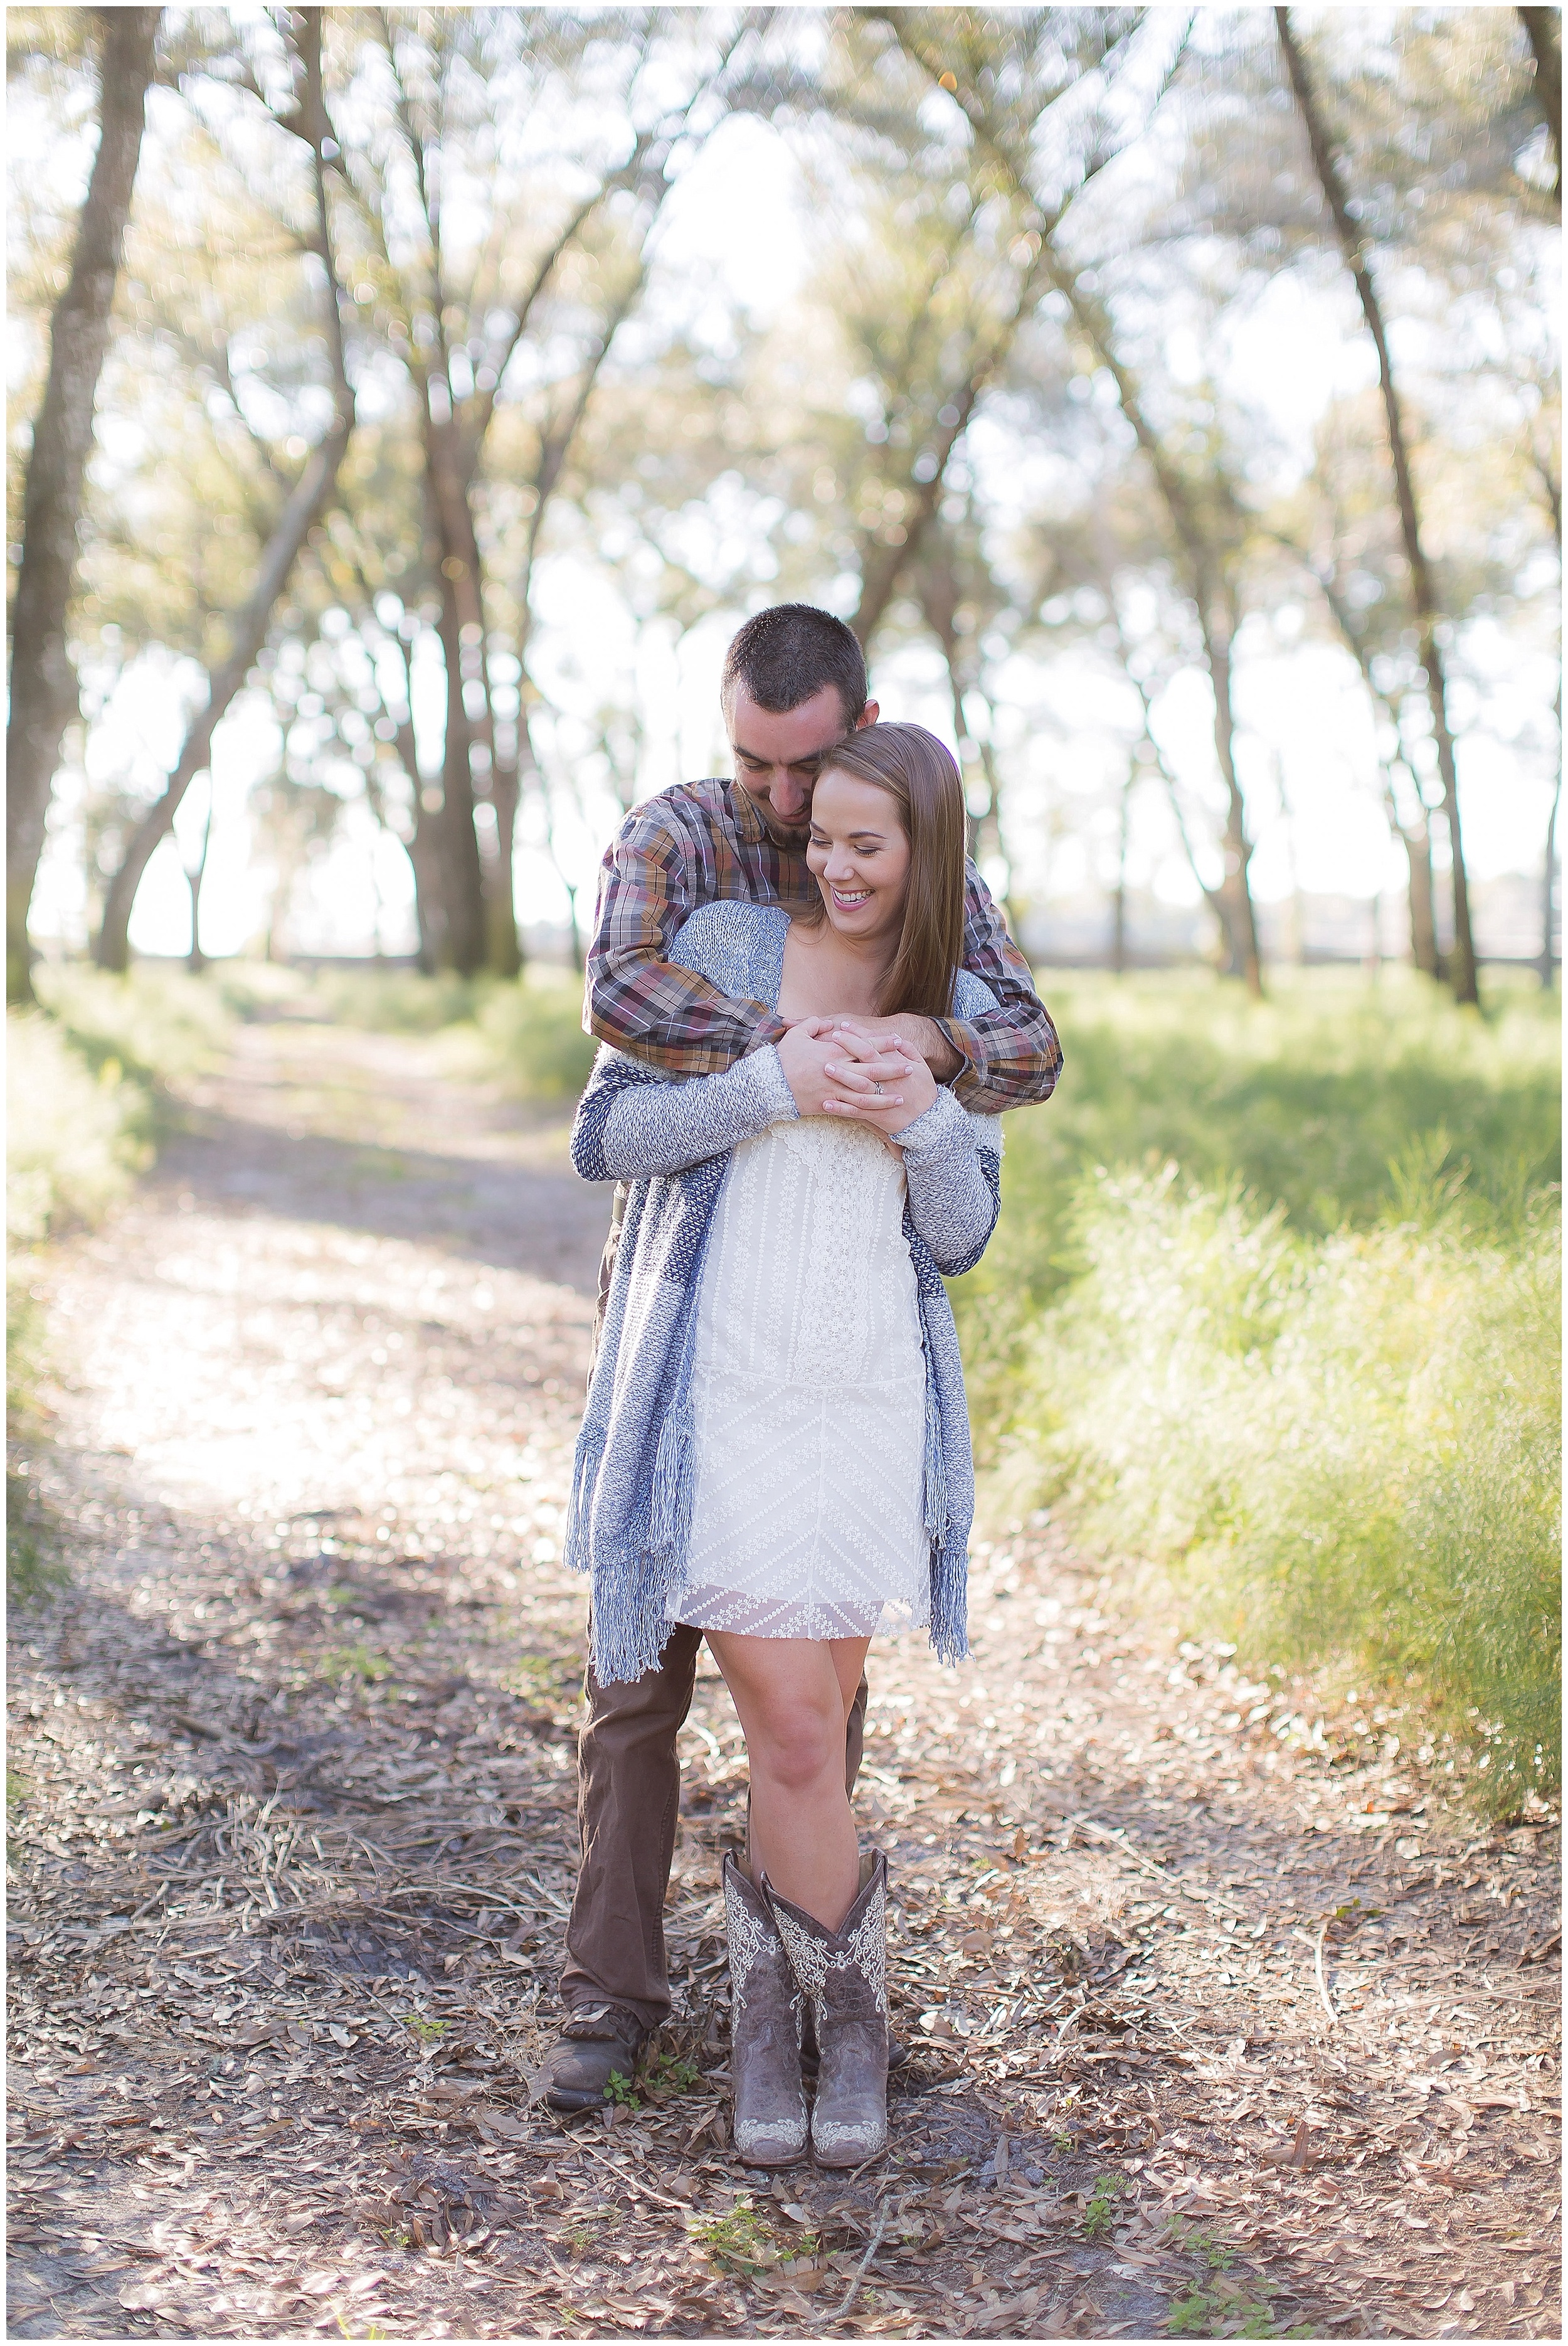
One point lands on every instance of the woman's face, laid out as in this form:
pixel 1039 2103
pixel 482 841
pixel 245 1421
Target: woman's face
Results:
pixel 860 853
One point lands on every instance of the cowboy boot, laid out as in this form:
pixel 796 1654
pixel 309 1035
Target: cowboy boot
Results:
pixel 598 2043
pixel 765 2010
pixel 844 1974
pixel 898 2051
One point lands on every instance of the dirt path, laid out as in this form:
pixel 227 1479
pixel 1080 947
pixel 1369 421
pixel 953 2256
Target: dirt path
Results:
pixel 1220 2024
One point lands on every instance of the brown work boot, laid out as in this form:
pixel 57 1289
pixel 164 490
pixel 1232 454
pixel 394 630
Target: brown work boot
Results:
pixel 765 2009
pixel 598 2042
pixel 844 1975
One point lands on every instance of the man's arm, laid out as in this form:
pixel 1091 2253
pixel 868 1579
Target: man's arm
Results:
pixel 637 999
pixel 1012 1054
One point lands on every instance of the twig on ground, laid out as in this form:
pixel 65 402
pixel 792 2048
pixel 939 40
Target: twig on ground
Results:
pixel 1322 1982
pixel 859 2275
pixel 1119 1841
pixel 632 2182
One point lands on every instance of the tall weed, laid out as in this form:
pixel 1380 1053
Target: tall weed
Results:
pixel 1328 1445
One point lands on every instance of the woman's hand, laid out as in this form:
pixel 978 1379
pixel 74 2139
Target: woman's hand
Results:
pixel 803 1054
pixel 901 1086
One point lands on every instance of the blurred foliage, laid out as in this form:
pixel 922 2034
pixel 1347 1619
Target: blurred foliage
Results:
pixel 155 1027
pixel 76 1137
pixel 535 1029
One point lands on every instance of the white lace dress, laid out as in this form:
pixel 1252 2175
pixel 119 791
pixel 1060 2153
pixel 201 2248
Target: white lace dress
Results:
pixel 809 1396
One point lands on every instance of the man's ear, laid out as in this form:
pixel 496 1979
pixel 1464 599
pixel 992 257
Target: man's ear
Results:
pixel 872 711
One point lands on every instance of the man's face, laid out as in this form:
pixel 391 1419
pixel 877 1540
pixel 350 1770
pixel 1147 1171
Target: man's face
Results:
pixel 778 754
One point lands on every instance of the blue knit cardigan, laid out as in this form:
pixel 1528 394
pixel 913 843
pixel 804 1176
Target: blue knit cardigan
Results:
pixel 629 1513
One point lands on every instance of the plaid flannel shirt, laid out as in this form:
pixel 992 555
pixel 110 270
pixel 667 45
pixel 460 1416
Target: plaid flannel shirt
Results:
pixel 705 843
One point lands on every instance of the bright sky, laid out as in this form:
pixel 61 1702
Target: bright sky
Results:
pixel 1303 713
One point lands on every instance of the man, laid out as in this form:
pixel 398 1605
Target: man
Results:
pixel 794 685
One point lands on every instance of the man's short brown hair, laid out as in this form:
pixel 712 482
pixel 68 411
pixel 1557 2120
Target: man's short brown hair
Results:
pixel 785 655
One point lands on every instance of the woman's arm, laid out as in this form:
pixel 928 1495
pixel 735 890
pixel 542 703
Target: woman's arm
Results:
pixel 633 1123
pixel 952 1165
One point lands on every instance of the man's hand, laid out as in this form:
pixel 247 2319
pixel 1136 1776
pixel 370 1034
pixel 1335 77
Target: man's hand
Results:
pixel 922 1037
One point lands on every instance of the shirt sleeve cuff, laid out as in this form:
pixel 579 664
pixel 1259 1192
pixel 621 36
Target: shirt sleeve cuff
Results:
pixel 969 1083
pixel 769 1029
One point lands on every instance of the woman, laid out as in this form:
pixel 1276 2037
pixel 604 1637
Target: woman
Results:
pixel 775 1446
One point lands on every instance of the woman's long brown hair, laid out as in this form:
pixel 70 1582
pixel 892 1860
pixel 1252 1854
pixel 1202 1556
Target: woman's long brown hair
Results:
pixel 922 779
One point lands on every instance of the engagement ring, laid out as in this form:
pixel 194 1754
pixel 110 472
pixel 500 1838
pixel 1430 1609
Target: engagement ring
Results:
pixel 878 1089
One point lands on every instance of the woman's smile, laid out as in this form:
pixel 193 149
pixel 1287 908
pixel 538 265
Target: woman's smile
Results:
pixel 860 856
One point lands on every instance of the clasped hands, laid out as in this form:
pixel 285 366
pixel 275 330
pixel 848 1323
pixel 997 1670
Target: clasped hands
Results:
pixel 845 1067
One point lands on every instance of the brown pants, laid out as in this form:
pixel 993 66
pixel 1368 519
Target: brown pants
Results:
pixel 628 1798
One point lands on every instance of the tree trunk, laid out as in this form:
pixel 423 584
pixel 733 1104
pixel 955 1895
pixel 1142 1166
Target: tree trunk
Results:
pixel 43 681
pixel 462 873
pixel 1206 588
pixel 475 910
pixel 882 567
pixel 503 957
pixel 420 846
pixel 1542 28
pixel 1548 893
pixel 1422 594
pixel 1119 901
pixel 301 512
pixel 423 849
pixel 1147 751
pixel 1418 846
pixel 1416 840
pixel 1297 904
pixel 1236 888
pixel 194 876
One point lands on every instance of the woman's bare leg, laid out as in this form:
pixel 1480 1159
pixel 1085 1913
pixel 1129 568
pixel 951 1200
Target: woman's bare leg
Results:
pixel 793 1695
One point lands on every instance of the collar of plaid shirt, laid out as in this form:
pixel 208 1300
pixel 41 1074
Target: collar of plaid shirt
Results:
pixel 786 865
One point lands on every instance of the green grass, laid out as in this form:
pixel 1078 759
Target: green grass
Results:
pixel 1322 1100
pixel 337 1664
pixel 429 2032
pixel 1273 1309
pixel 1220 2307
pixel 1100 2212
pixel 735 2243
